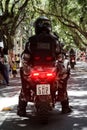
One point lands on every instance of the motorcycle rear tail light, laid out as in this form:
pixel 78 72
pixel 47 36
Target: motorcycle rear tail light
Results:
pixel 49 58
pixel 35 75
pixel 51 75
pixel 47 76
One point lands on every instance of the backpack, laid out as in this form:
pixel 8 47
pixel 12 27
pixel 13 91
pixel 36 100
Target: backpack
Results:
pixel 43 48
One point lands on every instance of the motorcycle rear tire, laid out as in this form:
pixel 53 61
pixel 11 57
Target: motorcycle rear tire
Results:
pixel 43 112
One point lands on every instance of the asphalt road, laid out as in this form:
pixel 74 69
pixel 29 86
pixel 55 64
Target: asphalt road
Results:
pixel 77 120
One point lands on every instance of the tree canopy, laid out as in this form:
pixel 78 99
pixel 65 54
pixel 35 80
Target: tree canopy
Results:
pixel 68 18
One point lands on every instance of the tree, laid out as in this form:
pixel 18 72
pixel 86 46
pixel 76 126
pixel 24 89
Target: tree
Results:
pixel 70 15
pixel 13 13
pixel 68 18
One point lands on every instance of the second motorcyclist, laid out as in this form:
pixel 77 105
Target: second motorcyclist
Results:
pixel 72 56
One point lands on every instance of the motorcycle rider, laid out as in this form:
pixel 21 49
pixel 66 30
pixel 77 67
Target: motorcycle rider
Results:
pixel 43 34
pixel 72 58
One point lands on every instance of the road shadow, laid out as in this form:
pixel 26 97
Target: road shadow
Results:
pixel 77 120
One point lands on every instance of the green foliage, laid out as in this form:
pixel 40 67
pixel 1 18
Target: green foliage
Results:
pixel 68 17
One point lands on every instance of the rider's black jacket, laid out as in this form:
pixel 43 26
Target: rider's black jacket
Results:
pixel 43 46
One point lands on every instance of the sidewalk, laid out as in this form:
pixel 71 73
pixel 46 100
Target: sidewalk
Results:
pixel 9 94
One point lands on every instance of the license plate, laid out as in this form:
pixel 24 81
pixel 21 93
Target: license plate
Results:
pixel 43 89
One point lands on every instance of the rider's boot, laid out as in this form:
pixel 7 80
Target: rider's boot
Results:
pixel 65 107
pixel 21 109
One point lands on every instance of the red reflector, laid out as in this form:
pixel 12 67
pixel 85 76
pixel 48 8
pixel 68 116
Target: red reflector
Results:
pixel 49 58
pixel 37 58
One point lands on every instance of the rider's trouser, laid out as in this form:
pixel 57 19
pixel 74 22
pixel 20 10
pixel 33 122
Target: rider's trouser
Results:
pixel 23 94
pixel 21 106
pixel 62 92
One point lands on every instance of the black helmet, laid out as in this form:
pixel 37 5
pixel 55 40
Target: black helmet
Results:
pixel 72 52
pixel 42 24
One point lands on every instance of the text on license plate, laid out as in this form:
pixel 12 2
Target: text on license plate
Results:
pixel 43 89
